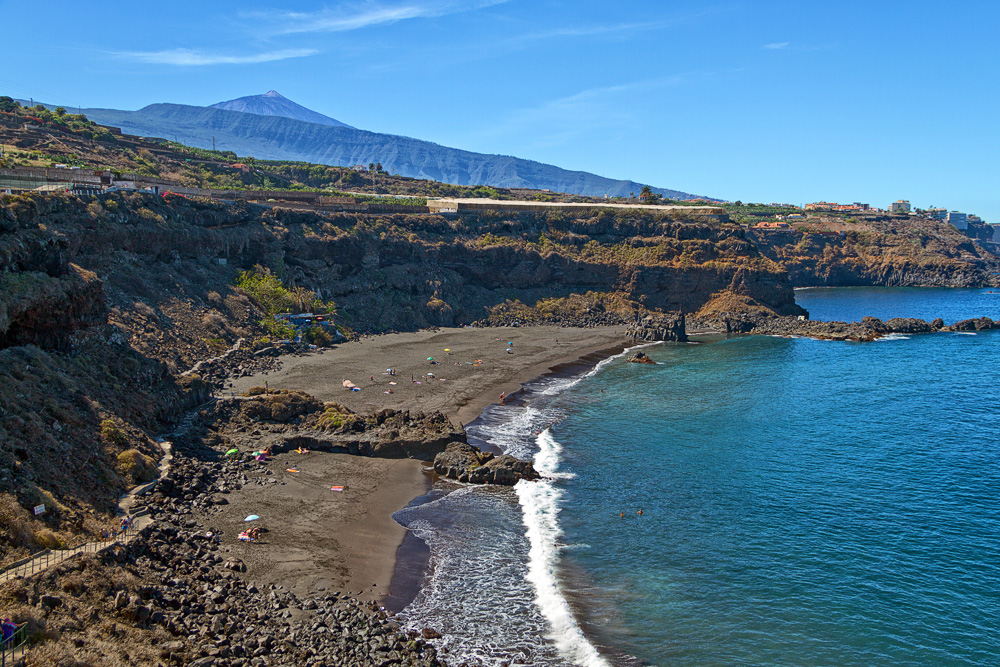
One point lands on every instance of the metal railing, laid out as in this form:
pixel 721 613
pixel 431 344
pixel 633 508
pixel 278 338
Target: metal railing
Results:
pixel 13 648
pixel 45 559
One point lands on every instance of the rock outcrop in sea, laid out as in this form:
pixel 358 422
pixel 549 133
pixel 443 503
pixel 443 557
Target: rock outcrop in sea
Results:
pixel 463 462
pixel 868 329
pixel 639 358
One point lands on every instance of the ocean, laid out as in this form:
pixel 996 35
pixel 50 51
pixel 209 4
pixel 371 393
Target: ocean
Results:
pixel 803 503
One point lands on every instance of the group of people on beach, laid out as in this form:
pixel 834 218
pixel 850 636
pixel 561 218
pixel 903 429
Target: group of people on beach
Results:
pixel 250 535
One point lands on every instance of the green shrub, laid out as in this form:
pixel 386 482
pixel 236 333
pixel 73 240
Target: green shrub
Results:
pixel 137 466
pixel 317 336
pixel 279 330
pixel 112 434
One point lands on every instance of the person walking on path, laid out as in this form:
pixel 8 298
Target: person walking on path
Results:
pixel 9 628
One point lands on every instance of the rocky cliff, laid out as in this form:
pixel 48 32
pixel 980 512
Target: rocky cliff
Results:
pixel 890 251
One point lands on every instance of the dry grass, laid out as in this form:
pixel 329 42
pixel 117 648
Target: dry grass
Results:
pixel 87 629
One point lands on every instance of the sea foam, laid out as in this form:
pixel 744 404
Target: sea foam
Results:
pixel 540 509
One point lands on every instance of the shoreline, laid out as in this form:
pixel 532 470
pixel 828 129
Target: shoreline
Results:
pixel 380 563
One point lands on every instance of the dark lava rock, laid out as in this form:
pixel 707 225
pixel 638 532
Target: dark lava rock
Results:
pixel 666 326
pixel 463 462
pixel 640 358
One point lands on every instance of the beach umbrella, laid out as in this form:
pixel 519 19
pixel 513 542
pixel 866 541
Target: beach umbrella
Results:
pixel 252 517
pixel 430 358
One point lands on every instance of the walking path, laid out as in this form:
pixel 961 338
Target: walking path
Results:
pixel 204 362
pixel 139 520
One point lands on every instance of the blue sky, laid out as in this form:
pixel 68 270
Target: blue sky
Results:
pixel 759 101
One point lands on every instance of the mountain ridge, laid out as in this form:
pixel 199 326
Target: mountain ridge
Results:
pixel 280 138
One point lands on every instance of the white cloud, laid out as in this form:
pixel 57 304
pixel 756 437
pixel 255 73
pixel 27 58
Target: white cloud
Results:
pixel 355 16
pixel 776 45
pixel 194 57
pixel 585 113
pixel 588 31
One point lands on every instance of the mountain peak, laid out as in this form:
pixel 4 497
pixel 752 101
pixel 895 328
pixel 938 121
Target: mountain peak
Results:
pixel 273 103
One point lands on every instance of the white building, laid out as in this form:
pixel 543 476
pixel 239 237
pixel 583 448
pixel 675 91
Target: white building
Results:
pixel 960 220
pixel 900 206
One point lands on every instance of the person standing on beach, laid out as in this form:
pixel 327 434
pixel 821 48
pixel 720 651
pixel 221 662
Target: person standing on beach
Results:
pixel 501 397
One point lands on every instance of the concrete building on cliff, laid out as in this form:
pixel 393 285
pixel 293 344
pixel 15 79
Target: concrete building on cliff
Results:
pixel 899 206
pixel 960 220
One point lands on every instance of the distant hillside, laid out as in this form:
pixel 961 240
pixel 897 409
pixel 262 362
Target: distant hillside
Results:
pixel 277 138
pixel 272 103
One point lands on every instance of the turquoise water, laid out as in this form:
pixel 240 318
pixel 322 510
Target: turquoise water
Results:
pixel 850 304
pixel 804 503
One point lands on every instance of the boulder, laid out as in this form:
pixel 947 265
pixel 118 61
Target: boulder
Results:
pixel 236 565
pixel 51 601
pixel 640 358
pixel 465 463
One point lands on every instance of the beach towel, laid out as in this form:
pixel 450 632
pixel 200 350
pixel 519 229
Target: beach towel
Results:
pixel 336 488
pixel 291 470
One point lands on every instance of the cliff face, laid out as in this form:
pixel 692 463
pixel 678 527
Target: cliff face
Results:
pixel 888 253
pixel 166 262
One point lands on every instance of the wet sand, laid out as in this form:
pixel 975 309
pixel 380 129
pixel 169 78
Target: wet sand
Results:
pixel 347 541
